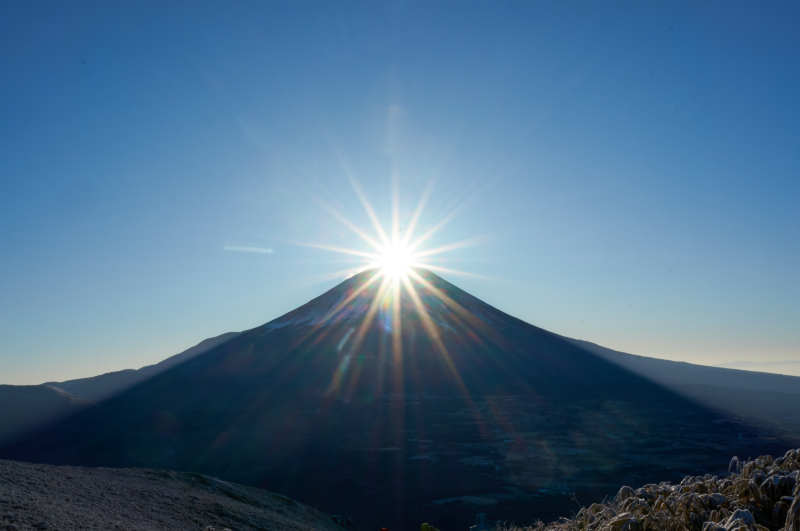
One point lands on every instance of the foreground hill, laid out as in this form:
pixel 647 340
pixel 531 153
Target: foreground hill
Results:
pixel 394 409
pixel 759 494
pixel 75 498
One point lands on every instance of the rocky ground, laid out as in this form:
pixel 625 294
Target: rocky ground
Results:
pixel 34 496
pixel 757 495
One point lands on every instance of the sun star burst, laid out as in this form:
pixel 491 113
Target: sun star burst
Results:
pixel 394 255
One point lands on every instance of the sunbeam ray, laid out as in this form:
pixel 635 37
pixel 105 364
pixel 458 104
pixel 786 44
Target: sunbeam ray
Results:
pixel 433 230
pixel 343 273
pixel 433 333
pixel 459 310
pixel 395 211
pixel 362 331
pixel 449 247
pixel 440 269
pixel 347 223
pixel 370 211
pixel 412 224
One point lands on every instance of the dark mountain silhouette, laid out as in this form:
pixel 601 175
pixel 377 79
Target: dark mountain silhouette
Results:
pixel 35 406
pixel 406 417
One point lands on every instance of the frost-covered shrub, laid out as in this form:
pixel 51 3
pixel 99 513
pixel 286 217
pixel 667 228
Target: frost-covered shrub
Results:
pixel 760 494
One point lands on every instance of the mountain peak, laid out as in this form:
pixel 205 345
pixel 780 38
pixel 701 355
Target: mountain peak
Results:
pixel 370 299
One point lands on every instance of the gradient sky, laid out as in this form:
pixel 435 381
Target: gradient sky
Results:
pixel 632 170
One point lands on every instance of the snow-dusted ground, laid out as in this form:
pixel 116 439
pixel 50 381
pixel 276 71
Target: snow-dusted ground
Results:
pixel 34 496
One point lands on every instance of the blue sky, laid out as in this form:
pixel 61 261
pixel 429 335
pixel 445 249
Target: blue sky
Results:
pixel 632 170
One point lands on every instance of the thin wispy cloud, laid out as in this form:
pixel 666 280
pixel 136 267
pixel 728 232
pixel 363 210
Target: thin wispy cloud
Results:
pixel 249 249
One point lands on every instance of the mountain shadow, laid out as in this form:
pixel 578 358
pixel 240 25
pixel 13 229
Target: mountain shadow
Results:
pixel 395 403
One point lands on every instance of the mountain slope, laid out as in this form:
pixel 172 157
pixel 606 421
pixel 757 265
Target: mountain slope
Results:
pixel 28 407
pixel 408 416
pixel 772 400
pixel 77 498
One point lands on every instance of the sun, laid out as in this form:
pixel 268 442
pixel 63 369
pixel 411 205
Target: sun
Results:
pixel 395 261
pixel 394 254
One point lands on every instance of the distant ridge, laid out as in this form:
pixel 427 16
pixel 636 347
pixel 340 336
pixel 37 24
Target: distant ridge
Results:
pixel 35 406
pixel 96 388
